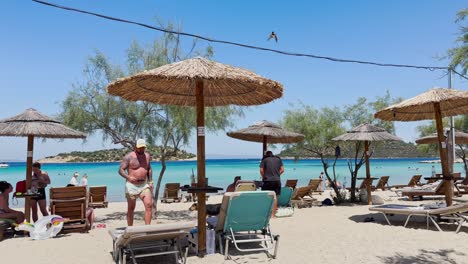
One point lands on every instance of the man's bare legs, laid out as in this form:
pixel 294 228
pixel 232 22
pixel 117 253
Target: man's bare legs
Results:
pixel 43 207
pixel 34 210
pixel 130 211
pixel 147 198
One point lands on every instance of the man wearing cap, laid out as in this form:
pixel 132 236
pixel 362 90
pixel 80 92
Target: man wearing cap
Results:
pixel 136 169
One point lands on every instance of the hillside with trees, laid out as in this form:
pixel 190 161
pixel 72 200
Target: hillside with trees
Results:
pixel 109 155
pixel 389 149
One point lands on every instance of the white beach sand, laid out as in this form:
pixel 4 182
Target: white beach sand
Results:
pixel 333 234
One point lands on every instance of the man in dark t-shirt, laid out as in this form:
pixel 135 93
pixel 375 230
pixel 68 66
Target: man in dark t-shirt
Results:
pixel 271 169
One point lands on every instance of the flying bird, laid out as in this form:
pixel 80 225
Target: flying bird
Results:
pixel 274 36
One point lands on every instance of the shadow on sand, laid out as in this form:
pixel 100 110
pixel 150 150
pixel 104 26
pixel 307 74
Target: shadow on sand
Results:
pixel 424 256
pixel 162 215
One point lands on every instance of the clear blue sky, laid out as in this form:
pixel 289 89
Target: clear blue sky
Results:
pixel 44 50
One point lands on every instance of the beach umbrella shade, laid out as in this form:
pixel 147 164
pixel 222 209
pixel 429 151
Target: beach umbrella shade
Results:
pixel 198 82
pixel 31 124
pixel 460 138
pixel 266 132
pixel 367 133
pixel 433 104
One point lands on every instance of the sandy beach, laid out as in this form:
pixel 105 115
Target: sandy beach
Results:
pixel 332 234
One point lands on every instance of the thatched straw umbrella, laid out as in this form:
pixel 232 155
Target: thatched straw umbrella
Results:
pixel 198 82
pixel 32 124
pixel 367 133
pixel 433 104
pixel 266 132
pixel 460 138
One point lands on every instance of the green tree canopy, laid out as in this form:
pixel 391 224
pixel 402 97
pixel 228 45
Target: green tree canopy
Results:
pixel 363 111
pixel 459 54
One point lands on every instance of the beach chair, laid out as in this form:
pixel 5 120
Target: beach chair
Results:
pixel 414 181
pixel 5 224
pixel 315 185
pixel 172 193
pixel 150 240
pixel 97 197
pixel 436 188
pixel 70 203
pixel 291 183
pixel 383 181
pixel 284 202
pixel 432 213
pixel 363 185
pixel 301 197
pixel 245 185
pixel 245 218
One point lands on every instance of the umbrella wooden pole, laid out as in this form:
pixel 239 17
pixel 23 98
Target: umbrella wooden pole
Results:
pixel 201 168
pixel 448 183
pixel 368 176
pixel 264 146
pixel 29 161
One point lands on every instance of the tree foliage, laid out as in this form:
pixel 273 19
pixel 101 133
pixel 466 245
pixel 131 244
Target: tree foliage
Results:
pixel 321 126
pixel 318 127
pixel 459 54
pixel 363 111
pixel 89 108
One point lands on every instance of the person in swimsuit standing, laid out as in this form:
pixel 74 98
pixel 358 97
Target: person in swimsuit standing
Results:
pixel 40 179
pixel 136 169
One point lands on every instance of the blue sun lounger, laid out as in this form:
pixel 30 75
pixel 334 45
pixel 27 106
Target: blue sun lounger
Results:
pixel 244 218
pixel 285 207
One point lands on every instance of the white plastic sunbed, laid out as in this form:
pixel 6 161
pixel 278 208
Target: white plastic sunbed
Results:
pixel 150 240
pixel 431 212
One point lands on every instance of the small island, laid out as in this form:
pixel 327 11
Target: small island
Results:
pixel 113 155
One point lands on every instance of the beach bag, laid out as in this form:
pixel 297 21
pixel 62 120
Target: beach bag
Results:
pixel 327 202
pixel 20 188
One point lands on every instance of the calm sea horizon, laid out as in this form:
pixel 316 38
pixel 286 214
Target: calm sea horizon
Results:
pixel 220 172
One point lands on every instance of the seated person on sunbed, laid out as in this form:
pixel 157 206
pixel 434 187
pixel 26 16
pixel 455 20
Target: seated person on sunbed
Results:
pixel 231 187
pixel 5 211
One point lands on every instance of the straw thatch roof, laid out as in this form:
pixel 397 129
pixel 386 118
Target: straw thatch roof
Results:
pixel 272 132
pixel 175 84
pixel 421 107
pixel 460 138
pixel 33 123
pixel 366 132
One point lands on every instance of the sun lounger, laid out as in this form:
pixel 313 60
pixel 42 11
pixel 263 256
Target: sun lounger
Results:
pixel 284 202
pixel 242 215
pixel 97 196
pixel 436 188
pixel 315 185
pixel 245 185
pixel 414 181
pixel 172 193
pixel 363 185
pixel 383 181
pixel 291 183
pixel 431 212
pixel 301 197
pixel 70 203
pixel 150 240
pixel 4 225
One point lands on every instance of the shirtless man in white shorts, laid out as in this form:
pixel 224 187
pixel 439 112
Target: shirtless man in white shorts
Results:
pixel 136 169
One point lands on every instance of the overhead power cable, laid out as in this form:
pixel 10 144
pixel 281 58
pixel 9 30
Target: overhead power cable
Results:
pixel 431 68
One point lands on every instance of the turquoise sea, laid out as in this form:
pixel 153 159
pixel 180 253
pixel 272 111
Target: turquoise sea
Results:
pixel 220 172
